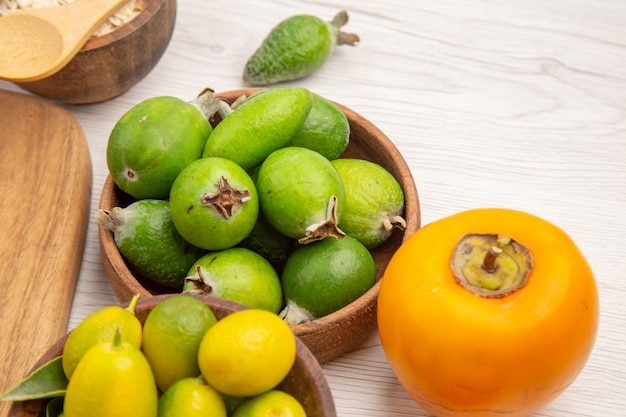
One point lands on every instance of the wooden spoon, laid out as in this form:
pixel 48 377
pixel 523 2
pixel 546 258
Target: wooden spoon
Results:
pixel 37 42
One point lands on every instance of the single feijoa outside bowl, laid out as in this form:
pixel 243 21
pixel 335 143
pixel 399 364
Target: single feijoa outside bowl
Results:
pixel 327 337
pixel 305 381
pixel 112 62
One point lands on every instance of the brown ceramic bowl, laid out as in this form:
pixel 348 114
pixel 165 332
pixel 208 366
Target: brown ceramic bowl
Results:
pixel 335 334
pixel 109 65
pixel 306 380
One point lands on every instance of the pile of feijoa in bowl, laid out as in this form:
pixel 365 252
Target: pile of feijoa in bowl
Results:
pixel 260 208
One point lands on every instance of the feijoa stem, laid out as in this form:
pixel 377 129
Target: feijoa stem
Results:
pixel 326 228
pixel 344 38
pixel 396 221
pixel 293 314
pixel 225 110
pixel 490 265
pixel 207 103
pixel 199 284
pixel 112 220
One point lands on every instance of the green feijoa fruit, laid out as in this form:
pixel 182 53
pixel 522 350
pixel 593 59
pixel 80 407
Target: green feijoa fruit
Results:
pixel 269 242
pixel 326 129
pixel 264 239
pixel 154 140
pixel 295 48
pixel 374 201
pixel 214 203
pixel 325 276
pixel 301 194
pixel 149 242
pixel 237 274
pixel 262 124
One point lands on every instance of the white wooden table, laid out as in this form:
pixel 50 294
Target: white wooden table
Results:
pixel 518 104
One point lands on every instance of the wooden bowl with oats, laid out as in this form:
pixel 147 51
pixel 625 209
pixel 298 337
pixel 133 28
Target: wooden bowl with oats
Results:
pixel 118 56
pixel 332 335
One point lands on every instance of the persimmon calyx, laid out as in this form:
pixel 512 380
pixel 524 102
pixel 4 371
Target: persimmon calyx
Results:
pixel 226 200
pixel 490 265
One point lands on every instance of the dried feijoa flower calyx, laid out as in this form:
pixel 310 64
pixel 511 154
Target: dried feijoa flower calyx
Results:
pixel 214 203
pixel 149 242
pixel 236 274
pixel 374 201
pixel 295 48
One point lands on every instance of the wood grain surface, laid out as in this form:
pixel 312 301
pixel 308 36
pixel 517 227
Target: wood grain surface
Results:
pixel 45 179
pixel 517 104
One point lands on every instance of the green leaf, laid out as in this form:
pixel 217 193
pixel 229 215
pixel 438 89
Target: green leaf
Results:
pixel 47 381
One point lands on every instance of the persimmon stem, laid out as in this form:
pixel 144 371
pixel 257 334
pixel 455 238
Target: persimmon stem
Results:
pixel 489 263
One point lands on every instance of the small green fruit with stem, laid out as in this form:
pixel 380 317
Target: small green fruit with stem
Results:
pixel 155 140
pixel 295 48
pixel 214 203
pixel 149 242
pixel 301 194
pixel 374 201
pixel 324 276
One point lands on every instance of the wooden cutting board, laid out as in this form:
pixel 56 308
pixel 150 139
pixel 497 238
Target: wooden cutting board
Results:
pixel 45 194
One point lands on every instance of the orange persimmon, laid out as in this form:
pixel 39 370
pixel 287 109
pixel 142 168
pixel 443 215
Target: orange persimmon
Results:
pixel 487 312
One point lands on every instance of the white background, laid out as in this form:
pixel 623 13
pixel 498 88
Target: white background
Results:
pixel 518 104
